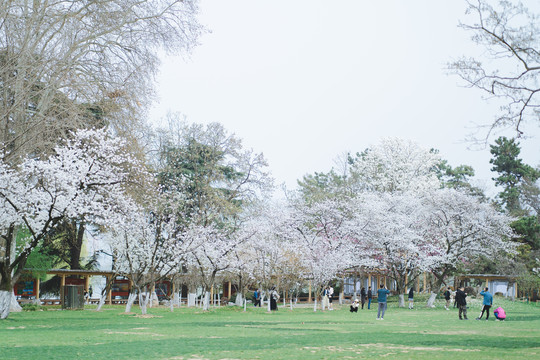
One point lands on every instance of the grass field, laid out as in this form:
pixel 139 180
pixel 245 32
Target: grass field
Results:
pixel 230 333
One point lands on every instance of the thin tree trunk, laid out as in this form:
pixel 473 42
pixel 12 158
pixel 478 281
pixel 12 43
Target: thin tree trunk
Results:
pixel 153 300
pixel 315 305
pixel 401 300
pixel 131 300
pixel 431 300
pixel 101 300
pixel 75 242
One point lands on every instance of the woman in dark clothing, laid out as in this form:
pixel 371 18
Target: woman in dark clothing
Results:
pixel 369 295
pixel 411 298
pixel 274 296
pixel 363 296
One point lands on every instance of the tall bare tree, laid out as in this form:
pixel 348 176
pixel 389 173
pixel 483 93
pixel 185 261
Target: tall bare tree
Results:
pixel 510 35
pixel 79 63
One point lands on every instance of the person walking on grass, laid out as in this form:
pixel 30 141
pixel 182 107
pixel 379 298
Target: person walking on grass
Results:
pixel 462 303
pixel 369 296
pixel 447 295
pixel 411 298
pixel 488 301
pixel 325 303
pixel 257 298
pixel 363 296
pixel 382 293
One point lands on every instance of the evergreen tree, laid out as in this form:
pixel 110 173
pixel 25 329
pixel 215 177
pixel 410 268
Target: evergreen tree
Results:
pixel 513 174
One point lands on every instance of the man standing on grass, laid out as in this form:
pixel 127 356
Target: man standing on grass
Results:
pixel 488 301
pixel 382 293
pixel 369 296
pixel 462 303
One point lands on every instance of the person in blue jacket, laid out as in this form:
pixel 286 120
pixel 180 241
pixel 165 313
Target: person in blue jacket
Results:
pixel 488 301
pixel 382 293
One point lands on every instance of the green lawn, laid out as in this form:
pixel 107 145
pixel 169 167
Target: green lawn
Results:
pixel 230 333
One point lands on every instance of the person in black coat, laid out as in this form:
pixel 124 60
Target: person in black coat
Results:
pixel 411 298
pixel 462 303
pixel 363 296
pixel 369 296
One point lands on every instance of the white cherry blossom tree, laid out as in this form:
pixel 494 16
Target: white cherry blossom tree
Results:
pixel 393 165
pixel 148 248
pixel 86 176
pixel 461 228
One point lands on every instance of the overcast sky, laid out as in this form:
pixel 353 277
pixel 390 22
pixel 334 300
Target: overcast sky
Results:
pixel 303 81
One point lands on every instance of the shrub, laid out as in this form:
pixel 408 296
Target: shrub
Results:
pixel 33 307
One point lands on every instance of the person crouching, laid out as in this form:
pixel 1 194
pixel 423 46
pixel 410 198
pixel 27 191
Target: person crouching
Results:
pixel 354 306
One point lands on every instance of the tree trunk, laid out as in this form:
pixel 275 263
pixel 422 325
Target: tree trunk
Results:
pixel 239 300
pixel 7 244
pixel 131 300
pixel 206 301
pixel 191 299
pixel 154 300
pixel 14 306
pixel 5 300
pixel 315 305
pixel 75 237
pixel 431 300
pixel 176 299
pixel 401 300
pixel 143 302
pixel 101 300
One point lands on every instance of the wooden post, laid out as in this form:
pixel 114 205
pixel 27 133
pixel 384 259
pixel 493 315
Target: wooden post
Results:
pixel 309 293
pixel 230 289
pixel 62 284
pixel 487 283
pixel 109 294
pixel 212 301
pixel 37 288
pixel 86 283
pixel 406 277
pixel 369 280
pixel 425 282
